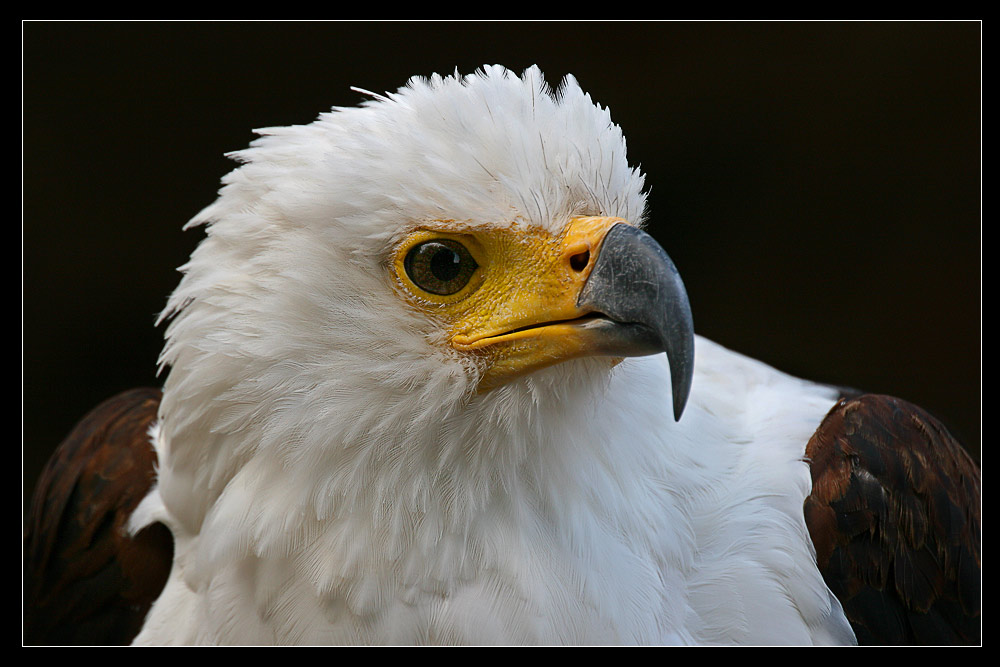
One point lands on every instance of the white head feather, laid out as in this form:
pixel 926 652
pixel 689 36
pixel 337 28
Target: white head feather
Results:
pixel 286 312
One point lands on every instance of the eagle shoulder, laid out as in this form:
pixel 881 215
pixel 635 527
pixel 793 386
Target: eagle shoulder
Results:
pixel 86 580
pixel 894 515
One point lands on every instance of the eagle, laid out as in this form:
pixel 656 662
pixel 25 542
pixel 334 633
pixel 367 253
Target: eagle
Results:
pixel 428 381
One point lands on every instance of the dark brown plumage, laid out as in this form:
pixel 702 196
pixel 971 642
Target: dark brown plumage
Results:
pixel 895 518
pixel 85 580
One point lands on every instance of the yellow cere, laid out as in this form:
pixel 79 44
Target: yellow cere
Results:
pixel 507 294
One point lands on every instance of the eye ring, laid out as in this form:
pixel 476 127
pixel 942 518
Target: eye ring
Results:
pixel 440 266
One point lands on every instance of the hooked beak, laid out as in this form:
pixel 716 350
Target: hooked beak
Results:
pixel 603 288
pixel 636 286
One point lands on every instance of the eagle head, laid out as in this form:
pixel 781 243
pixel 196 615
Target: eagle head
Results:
pixel 463 241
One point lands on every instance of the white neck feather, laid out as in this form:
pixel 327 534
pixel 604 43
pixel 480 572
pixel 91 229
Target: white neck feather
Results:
pixel 530 516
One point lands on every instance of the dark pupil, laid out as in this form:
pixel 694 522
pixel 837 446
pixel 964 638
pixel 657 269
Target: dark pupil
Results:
pixel 441 267
pixel 445 264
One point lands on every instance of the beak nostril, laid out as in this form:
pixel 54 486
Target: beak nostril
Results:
pixel 580 260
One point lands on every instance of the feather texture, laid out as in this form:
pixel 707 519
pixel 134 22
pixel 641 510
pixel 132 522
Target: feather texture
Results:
pixel 331 475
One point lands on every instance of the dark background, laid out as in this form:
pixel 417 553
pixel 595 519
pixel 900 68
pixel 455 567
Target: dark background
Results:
pixel 818 184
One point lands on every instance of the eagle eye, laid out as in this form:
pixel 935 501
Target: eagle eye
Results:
pixel 441 266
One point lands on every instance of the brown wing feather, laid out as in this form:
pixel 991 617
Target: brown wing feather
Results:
pixel 895 518
pixel 85 580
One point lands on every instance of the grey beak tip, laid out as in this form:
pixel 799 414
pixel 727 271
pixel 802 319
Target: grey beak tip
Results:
pixel 635 281
pixel 680 401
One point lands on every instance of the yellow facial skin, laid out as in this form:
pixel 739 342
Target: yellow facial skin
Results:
pixel 518 311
